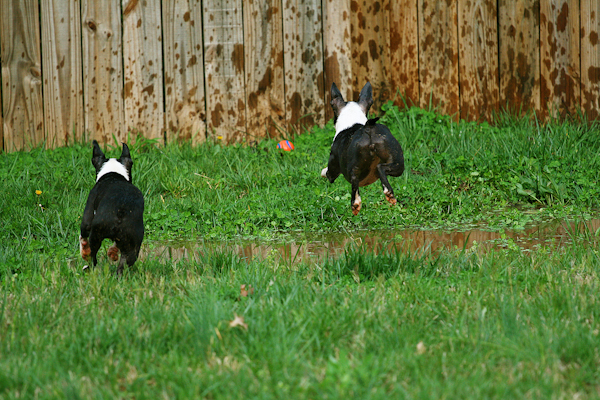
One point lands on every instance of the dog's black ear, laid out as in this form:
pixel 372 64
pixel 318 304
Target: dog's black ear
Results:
pixel 126 160
pixel 125 152
pixel 337 100
pixel 365 99
pixel 98 158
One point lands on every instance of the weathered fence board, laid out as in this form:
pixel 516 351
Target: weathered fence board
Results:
pixel 22 103
pixel 404 55
pixel 142 54
pixel 560 65
pixel 590 58
pixel 238 70
pixel 337 47
pixel 62 76
pixel 519 25
pixel 370 48
pixel 438 55
pixel 185 108
pixel 478 54
pixel 265 96
pixel 302 43
pixel 102 52
pixel 224 56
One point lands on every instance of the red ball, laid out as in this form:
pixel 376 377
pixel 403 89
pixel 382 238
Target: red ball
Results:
pixel 285 145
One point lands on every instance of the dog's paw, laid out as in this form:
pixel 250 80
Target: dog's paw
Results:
pixel 356 205
pixel 113 253
pixel 389 196
pixel 84 248
pixel 324 172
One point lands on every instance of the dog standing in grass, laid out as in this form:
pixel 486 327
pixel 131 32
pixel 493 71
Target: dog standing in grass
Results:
pixel 114 210
pixel 362 150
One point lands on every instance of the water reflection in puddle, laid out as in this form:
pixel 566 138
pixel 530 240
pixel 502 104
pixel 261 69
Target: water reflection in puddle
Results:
pixel 317 247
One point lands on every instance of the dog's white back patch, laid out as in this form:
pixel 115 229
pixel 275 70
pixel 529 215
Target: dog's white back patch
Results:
pixel 115 166
pixel 350 115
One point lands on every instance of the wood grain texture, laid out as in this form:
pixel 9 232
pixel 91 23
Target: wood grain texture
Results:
pixel 102 52
pixel 337 46
pixel 478 54
pixel 142 54
pixel 560 84
pixel 224 56
pixel 263 44
pixel 404 52
pixel 590 58
pixel 303 66
pixel 185 101
pixel 519 33
pixel 370 35
pixel 62 66
pixel 438 56
pixel 22 103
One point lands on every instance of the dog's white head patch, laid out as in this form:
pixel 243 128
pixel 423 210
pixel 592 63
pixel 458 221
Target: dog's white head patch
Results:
pixel 112 165
pixel 350 115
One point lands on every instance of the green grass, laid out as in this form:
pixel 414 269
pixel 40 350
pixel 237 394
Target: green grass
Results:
pixel 501 325
pixel 458 324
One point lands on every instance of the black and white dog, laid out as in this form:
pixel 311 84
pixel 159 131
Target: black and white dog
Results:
pixel 362 150
pixel 114 210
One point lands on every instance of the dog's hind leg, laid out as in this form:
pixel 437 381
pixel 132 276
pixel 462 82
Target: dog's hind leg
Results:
pixel 128 258
pixel 355 200
pixel 391 169
pixel 95 243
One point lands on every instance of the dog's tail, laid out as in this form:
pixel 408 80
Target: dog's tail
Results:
pixel 370 128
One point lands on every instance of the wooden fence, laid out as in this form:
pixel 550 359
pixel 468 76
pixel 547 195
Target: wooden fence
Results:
pixel 236 70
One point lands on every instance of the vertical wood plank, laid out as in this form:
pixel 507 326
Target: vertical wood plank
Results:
pixel 263 44
pixel 337 46
pixel 404 52
pixel 590 58
pixel 371 48
pixel 438 55
pixel 478 54
pixel 224 57
pixel 22 101
pixel 560 64
pixel 303 63
pixel 63 81
pixel 142 53
pixel 519 26
pixel 102 52
pixel 185 107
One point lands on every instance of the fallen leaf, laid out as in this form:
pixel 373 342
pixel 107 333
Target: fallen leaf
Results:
pixel 245 290
pixel 421 349
pixel 238 321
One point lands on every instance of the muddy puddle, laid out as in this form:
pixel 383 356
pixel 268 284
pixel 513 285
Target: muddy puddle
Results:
pixel 317 247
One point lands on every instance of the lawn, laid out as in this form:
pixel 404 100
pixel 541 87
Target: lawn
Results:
pixel 460 323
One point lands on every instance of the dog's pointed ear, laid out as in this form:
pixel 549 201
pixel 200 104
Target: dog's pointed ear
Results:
pixel 126 160
pixel 98 157
pixel 125 152
pixel 365 99
pixel 337 100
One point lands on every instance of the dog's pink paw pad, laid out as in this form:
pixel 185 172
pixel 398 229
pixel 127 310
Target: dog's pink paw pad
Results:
pixel 113 253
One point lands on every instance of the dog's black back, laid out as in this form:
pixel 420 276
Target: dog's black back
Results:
pixel 114 209
pixel 361 148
